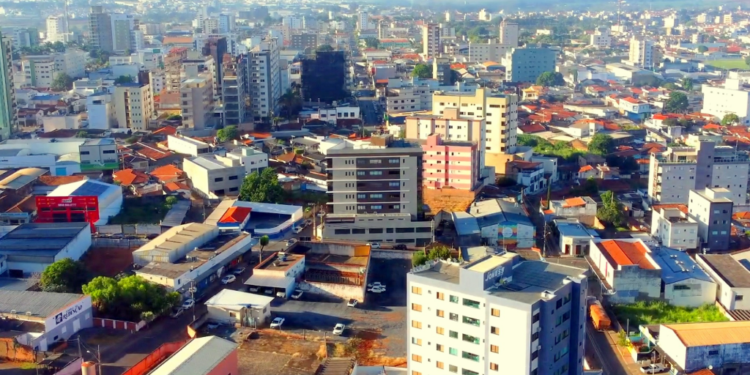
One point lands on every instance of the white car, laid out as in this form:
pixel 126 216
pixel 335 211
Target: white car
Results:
pixel 376 284
pixel 253 289
pixel 376 290
pixel 268 291
pixel 308 222
pixel 339 329
pixel 228 279
pixel 655 368
pixel 188 303
pixel 277 322
pixel 238 271
pixel 375 245
pixel 352 302
pixel 297 230
pixel 297 294
pixel 177 312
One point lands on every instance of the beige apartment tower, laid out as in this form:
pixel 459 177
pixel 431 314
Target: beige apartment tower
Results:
pixel 134 105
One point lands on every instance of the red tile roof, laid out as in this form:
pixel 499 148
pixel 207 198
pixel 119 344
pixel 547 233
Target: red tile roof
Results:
pixel 59 180
pixel 532 128
pixel 150 151
pixel 712 127
pixel 624 253
pixel 167 130
pixel 678 206
pixel 171 187
pixel 127 177
pixel 631 100
pixel 167 173
pixel 574 202
pixel 235 215
pixel 586 168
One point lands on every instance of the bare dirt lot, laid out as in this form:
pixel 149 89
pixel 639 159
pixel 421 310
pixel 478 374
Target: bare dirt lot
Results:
pixel 108 261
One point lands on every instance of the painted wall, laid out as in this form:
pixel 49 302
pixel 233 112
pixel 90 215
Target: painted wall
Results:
pixel 690 293
pixel 228 366
pixel 342 291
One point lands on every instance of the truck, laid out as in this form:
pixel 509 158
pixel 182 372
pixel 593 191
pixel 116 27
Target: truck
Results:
pixel 599 317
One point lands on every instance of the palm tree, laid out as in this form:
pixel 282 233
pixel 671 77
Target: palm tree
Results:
pixel 263 243
pixel 289 101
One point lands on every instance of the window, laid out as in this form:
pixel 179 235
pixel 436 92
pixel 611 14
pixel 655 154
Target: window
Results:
pixel 453 334
pixel 452 351
pixel 416 358
pixel 495 330
pixel 454 299
pixel 416 341
pixel 416 290
pixel 471 303
pixel 470 338
pixel 218 179
pixel 452 368
pixel 416 324
pixel 439 347
pixel 495 312
pixel 453 317
pixel 358 231
pixel 440 313
pixel 440 330
pixel 472 321
pixel 738 298
pixel 416 373
pixel 416 307
pixel 470 356
pixel 376 173
pixel 494 348
pixel 713 352
pixel 361 196
pixel 440 295
pixel 493 366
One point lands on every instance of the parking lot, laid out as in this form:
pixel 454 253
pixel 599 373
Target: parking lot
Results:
pixel 382 317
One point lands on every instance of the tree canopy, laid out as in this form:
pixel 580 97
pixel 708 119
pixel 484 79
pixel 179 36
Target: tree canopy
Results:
pixel 730 119
pixel 687 84
pixel 422 71
pixel 62 82
pixel 611 210
pixel 702 49
pixel 601 144
pixel 124 79
pixel 64 276
pixel 128 298
pixel 372 42
pixel 324 48
pixel 548 79
pixel 677 103
pixel 544 147
pixel 438 252
pixel 262 187
pixel 228 133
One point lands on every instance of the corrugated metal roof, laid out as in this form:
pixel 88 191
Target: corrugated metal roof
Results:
pixel 44 239
pixel 198 357
pixel 715 333
pixel 39 304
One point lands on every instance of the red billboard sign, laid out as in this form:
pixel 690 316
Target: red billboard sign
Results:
pixel 68 210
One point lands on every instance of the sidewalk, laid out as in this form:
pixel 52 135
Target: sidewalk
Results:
pixel 623 355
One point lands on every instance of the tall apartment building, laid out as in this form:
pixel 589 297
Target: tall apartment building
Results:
pixel 173 68
pixel 363 21
pixel 509 33
pixel 601 38
pixel 100 29
pixel 7 89
pixel 500 115
pixel 711 208
pixel 489 51
pixel 216 47
pixel 641 52
pixel 676 171
pixel 126 33
pixel 263 79
pixel 233 90
pixel 324 78
pixel 41 70
pixel 732 98
pixel 57 29
pixel 304 41
pixel 431 40
pixel 25 37
pixel 134 105
pixel 441 71
pixel 210 25
pixel 496 315
pixel 526 64
pixel 450 163
pixel 197 101
pixel 227 23
pixel 728 19
pixel 375 192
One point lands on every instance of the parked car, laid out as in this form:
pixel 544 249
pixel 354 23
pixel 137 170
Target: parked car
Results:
pixel 253 289
pixel 277 322
pixel 339 329
pixel 188 303
pixel 238 271
pixel 400 247
pixel 375 284
pixel 297 294
pixel 352 302
pixel 655 368
pixel 297 230
pixel 281 294
pixel 268 291
pixel 375 245
pixel 177 312
pixel 377 290
pixel 228 279
pixel 308 222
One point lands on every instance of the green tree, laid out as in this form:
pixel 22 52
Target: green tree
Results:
pixel 174 117
pixel 611 210
pixel 324 48
pixel 687 84
pixel 702 49
pixel 677 103
pixel 262 187
pixel 439 252
pixel 730 119
pixel 372 43
pixel 601 144
pixel 747 60
pixel 422 71
pixel 528 140
pixel 64 276
pixel 129 297
pixel 170 201
pixel 124 79
pixel 418 258
pixel 62 82
pixel 670 86
pixel 263 243
pixel 290 103
pixel 132 139
pixel 548 79
pixel 228 133
pixel 82 134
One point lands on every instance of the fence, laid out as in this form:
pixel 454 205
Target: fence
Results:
pixel 119 324
pixel 391 254
pixel 125 243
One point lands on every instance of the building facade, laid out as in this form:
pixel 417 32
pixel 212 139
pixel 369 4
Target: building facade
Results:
pixel 450 163
pixel 641 53
pixel 134 105
pixel 431 40
pixel 509 33
pixel 197 102
pixel 496 314
pixel 263 80
pixel 672 227
pixel 57 29
pixel 711 208
pixel 214 175
pixel 527 64
pixel 100 29
pixel 233 90
pixel 732 98
pixel 7 89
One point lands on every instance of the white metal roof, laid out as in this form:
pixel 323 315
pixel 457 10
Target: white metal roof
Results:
pixel 270 281
pixel 198 357
pixel 232 299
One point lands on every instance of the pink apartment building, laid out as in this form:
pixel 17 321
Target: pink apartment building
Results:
pixel 450 163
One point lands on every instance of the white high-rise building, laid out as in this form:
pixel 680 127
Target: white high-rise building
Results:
pixel 431 40
pixel 642 53
pixel 496 315
pixel 509 33
pixel 601 38
pixel 227 23
pixel 57 29
pixel 292 22
pixel 126 33
pixel 263 78
pixel 363 21
pixel 732 98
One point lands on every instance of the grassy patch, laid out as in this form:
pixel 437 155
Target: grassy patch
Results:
pixel 729 64
pixel 27 366
pixel 661 312
pixel 145 210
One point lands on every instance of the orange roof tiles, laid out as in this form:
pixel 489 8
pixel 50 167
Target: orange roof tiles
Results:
pixel 150 152
pixel 167 130
pixel 129 176
pixel 712 127
pixel 59 180
pixel 174 186
pixel 678 206
pixel 586 168
pixel 625 253
pixel 177 40
pixel 235 215
pixel 741 216
pixel 167 173
pixel 574 202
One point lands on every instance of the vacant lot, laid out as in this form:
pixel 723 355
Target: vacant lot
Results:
pixel 660 312
pixel 108 261
pixel 143 210
pixel 729 64
pixel 280 353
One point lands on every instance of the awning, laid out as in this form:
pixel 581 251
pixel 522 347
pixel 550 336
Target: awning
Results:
pixel 270 281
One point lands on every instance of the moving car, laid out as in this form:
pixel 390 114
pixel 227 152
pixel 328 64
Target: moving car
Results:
pixel 308 222
pixel 228 279
pixel 654 368
pixel 352 302
pixel 297 294
pixel 277 322
pixel 177 312
pixel 188 303
pixel 238 271
pixel 339 329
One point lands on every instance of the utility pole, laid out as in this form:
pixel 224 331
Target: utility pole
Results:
pixel 80 353
pixel 98 357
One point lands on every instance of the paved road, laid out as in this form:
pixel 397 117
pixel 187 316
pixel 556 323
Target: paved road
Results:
pixel 371 114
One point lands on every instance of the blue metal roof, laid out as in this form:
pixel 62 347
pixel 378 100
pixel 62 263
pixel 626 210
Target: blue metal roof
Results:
pixel 465 224
pixel 677 266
